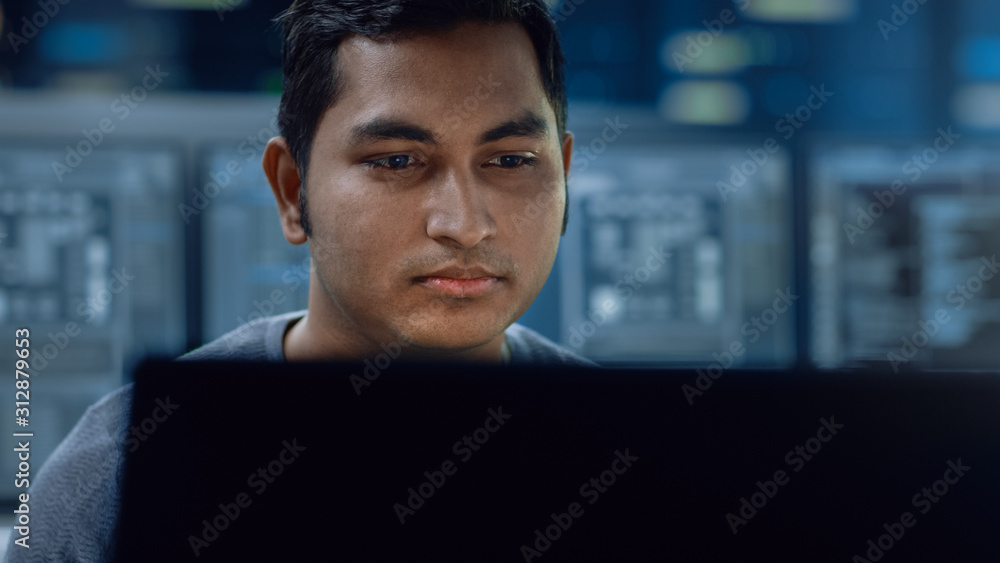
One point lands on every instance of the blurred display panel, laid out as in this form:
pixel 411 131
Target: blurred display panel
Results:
pixel 249 269
pixel 664 263
pixel 93 266
pixel 903 254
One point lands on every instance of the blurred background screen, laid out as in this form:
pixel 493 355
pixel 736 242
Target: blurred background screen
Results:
pixel 754 183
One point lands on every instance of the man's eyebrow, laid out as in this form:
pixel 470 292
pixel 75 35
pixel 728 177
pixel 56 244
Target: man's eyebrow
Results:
pixel 529 124
pixel 381 129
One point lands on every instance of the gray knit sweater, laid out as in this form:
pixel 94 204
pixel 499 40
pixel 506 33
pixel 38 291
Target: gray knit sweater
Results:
pixel 75 498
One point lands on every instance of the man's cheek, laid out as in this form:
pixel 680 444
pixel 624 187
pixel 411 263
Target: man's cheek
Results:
pixel 538 214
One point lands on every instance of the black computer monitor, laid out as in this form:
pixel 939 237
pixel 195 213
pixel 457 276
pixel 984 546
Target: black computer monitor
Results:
pixel 542 463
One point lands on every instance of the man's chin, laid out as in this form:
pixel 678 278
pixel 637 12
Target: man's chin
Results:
pixel 455 341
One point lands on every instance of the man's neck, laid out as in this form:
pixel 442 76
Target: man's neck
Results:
pixel 309 340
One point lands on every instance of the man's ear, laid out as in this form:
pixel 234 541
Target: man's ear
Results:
pixel 283 175
pixel 567 154
pixel 567 151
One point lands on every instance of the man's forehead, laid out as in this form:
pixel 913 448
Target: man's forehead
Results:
pixel 494 57
pixel 468 33
pixel 480 81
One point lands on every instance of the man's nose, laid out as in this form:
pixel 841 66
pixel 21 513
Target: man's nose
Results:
pixel 460 211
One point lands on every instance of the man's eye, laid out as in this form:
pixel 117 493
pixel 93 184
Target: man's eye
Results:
pixel 513 161
pixel 394 162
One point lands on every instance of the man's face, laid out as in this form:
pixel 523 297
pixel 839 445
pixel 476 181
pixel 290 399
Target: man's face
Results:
pixel 436 187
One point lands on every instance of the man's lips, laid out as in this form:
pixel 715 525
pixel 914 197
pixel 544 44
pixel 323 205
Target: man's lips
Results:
pixel 452 287
pixel 460 282
pixel 460 273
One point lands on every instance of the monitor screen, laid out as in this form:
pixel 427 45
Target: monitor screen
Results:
pixel 249 270
pixel 903 252
pixel 92 265
pixel 680 252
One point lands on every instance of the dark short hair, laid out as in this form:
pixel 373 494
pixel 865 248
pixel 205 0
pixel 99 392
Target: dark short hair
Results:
pixel 313 30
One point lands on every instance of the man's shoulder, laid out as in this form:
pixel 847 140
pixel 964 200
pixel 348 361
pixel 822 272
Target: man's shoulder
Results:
pixel 261 340
pixel 77 491
pixel 529 347
pixel 256 341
